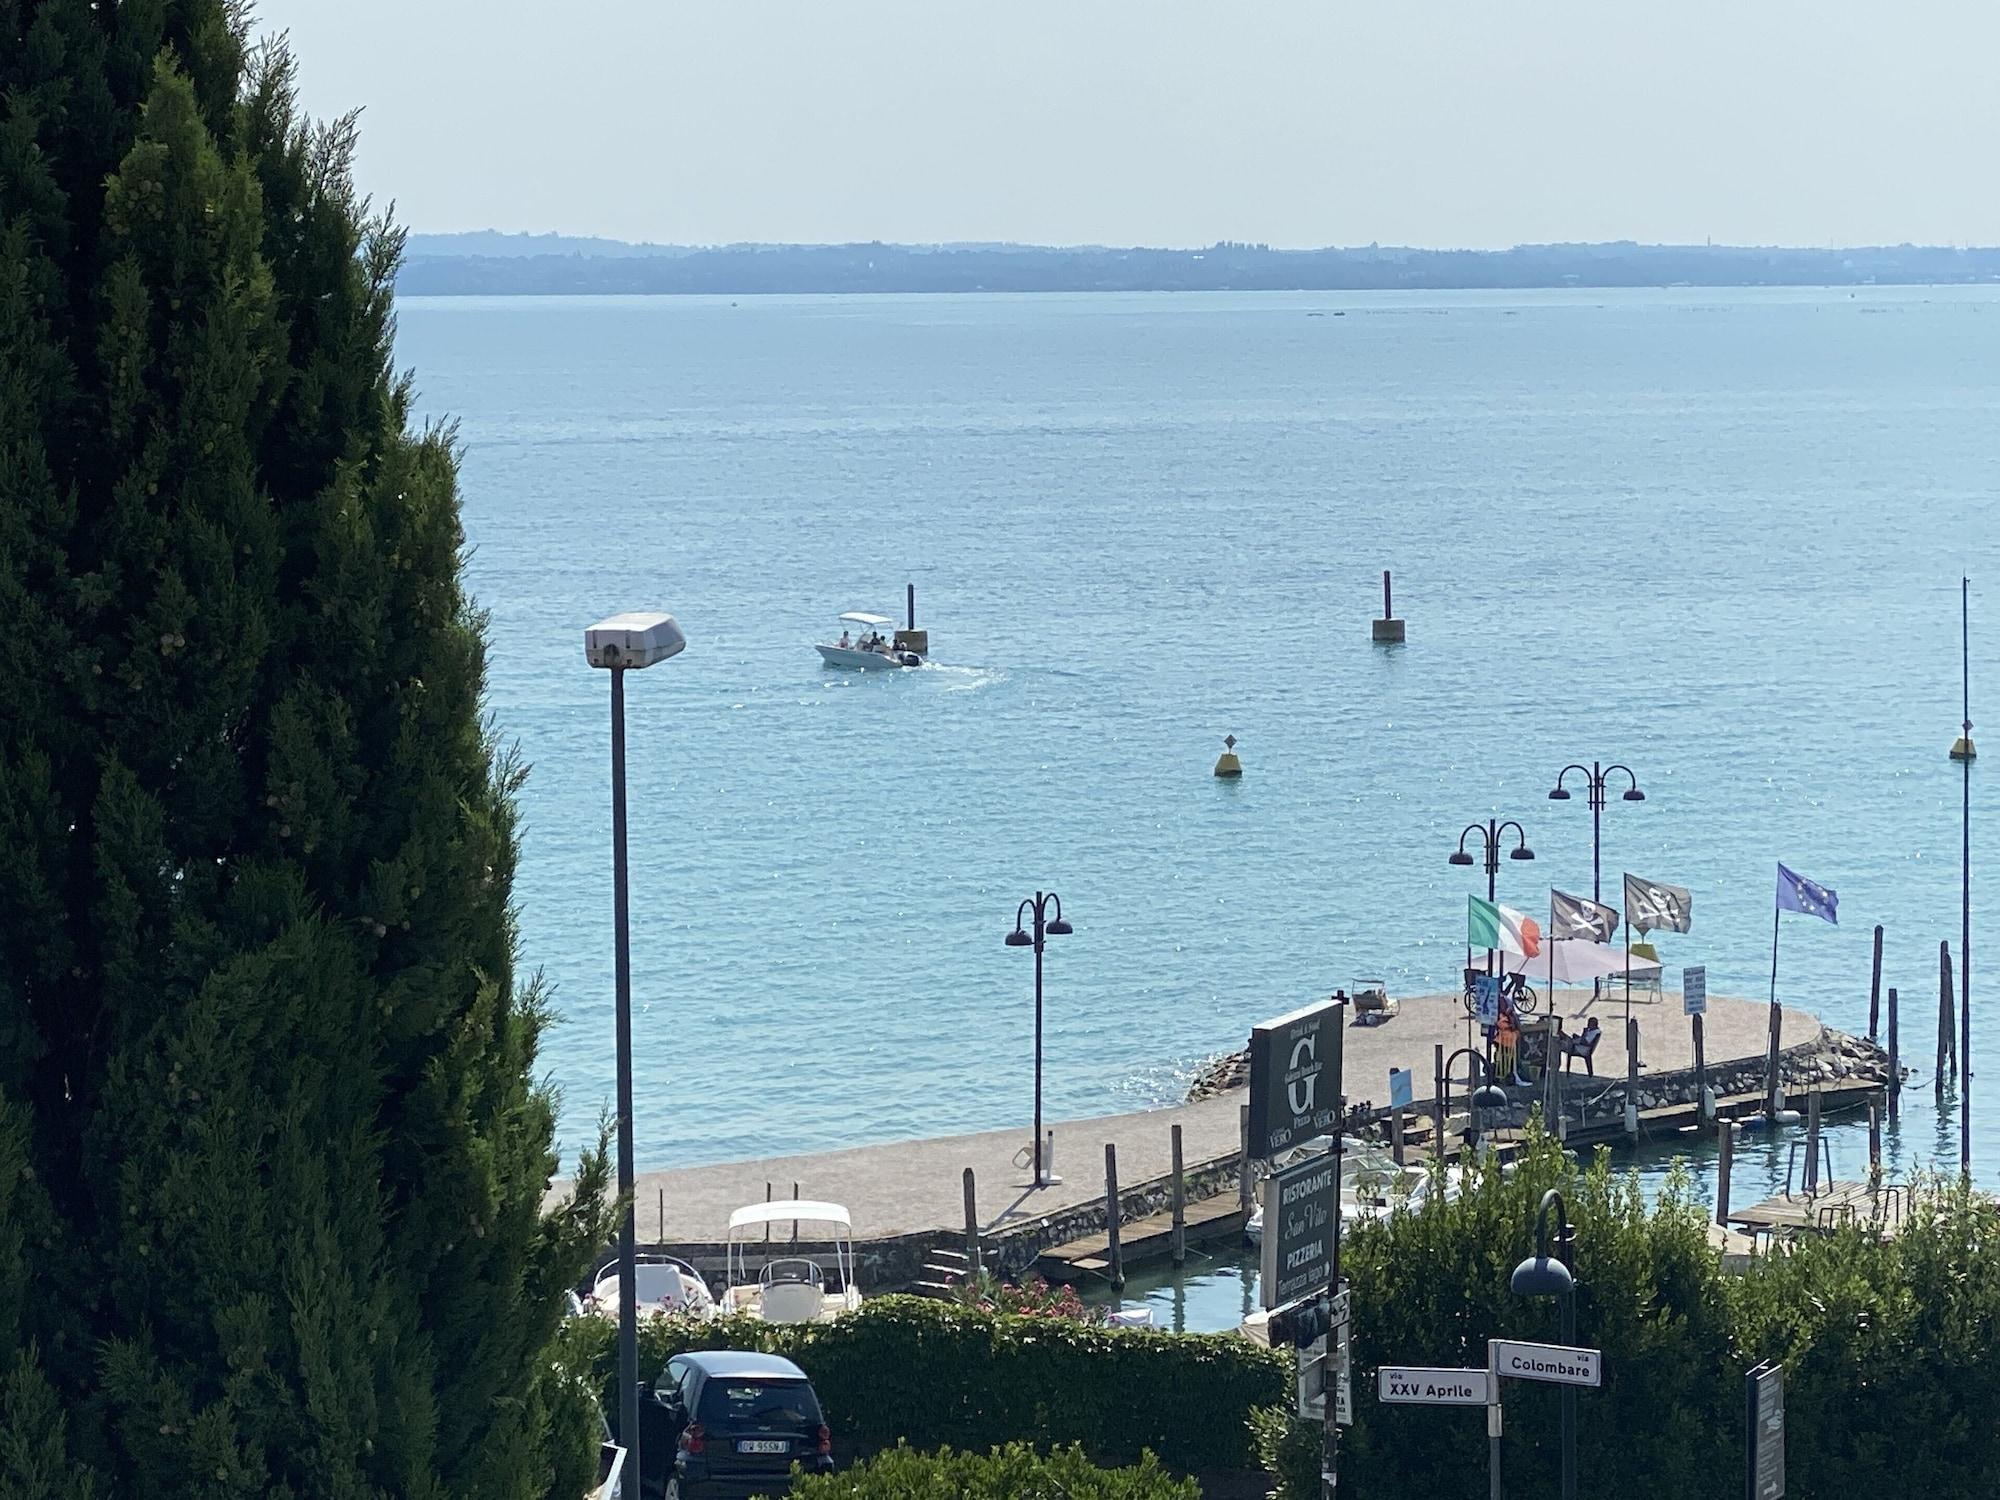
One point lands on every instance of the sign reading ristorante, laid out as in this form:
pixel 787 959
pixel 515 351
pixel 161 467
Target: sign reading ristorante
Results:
pixel 1295 1078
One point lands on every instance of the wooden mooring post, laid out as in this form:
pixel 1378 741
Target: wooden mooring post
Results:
pixel 1812 1143
pixel 1725 1155
pixel 1895 1062
pixel 1179 1241
pixel 1437 1102
pixel 1114 1256
pixel 1874 1141
pixel 1941 1068
pixel 1243 1157
pixel 973 1256
pixel 1632 1076
pixel 1875 989
pixel 1396 1134
pixel 1700 1074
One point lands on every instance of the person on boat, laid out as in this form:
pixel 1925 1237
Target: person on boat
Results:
pixel 843 640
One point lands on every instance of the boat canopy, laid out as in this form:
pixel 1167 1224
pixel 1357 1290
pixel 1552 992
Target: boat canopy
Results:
pixel 783 1210
pixel 873 622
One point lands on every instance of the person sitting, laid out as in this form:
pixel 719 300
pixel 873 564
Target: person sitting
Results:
pixel 1585 1045
pixel 843 640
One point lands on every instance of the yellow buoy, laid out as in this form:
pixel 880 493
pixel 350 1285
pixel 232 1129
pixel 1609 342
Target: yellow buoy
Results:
pixel 1227 763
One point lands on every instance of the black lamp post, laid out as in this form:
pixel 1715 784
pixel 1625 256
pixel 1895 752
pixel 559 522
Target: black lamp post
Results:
pixel 1546 1275
pixel 1490 833
pixel 1481 1096
pixel 1594 778
pixel 1047 907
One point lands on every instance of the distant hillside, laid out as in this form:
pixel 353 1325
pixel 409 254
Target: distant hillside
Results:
pixel 489 263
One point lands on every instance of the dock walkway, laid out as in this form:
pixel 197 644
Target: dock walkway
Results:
pixel 903 1188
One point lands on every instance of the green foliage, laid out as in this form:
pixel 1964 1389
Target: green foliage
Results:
pixel 937 1374
pixel 1013 1472
pixel 1033 1297
pixel 272 1154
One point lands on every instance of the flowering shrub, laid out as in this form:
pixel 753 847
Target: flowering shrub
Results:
pixel 1033 1298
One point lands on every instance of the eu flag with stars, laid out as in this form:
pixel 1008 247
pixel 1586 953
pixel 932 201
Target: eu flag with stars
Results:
pixel 1796 893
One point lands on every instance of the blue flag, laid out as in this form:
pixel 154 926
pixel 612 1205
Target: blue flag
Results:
pixel 1796 893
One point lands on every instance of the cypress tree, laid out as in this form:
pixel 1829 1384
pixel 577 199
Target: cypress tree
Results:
pixel 272 1149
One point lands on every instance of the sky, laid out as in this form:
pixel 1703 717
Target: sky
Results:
pixel 1468 123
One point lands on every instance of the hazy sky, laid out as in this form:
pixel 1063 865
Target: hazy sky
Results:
pixel 1300 122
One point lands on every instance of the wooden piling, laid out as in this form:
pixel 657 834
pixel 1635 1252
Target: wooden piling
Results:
pixel 1632 1075
pixel 1874 1141
pixel 1114 1255
pixel 663 1216
pixel 1941 1066
pixel 1178 1243
pixel 1895 1062
pixel 974 1256
pixel 1875 988
pixel 1243 1164
pixel 1437 1102
pixel 795 1222
pixel 1812 1143
pixel 1396 1134
pixel 1700 1074
pixel 1725 1144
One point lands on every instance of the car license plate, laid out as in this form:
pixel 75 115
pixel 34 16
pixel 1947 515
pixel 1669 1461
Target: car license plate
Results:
pixel 763 1445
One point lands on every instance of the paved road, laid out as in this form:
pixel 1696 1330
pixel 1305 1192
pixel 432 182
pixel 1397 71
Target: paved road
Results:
pixel 900 1187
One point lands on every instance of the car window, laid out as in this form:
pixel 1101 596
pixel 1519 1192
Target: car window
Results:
pixel 759 1403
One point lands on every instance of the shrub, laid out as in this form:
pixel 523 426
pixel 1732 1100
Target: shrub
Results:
pixel 1013 1472
pixel 937 1374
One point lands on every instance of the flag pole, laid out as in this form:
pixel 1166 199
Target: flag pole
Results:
pixel 1628 955
pixel 1772 1102
pixel 1965 889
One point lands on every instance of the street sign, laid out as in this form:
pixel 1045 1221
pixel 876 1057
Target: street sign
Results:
pixel 1417 1386
pixel 1301 1212
pixel 1486 999
pixel 1294 1078
pixel 1312 1382
pixel 1559 1364
pixel 1402 1092
pixel 1694 991
pixel 1764 1401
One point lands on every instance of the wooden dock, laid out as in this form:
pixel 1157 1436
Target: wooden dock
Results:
pixel 1213 1219
pixel 1835 1205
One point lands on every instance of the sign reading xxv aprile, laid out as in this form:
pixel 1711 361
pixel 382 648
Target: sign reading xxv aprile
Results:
pixel 1294 1078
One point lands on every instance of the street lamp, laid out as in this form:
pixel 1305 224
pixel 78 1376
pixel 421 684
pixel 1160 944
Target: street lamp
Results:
pixel 621 644
pixel 1490 833
pixel 1045 926
pixel 1594 778
pixel 1545 1275
pixel 1481 1097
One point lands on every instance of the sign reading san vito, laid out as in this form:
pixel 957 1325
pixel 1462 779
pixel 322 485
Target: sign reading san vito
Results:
pixel 1294 1078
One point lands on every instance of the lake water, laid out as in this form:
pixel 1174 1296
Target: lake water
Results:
pixel 1716 535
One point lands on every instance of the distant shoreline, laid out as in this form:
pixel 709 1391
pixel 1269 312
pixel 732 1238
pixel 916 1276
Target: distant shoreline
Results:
pixel 490 264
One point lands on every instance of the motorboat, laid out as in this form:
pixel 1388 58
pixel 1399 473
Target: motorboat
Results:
pixel 863 646
pixel 665 1286
pixel 1371 1183
pixel 791 1288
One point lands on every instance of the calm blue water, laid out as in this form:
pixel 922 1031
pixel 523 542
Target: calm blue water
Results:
pixel 1714 534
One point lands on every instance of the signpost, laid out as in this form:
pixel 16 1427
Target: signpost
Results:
pixel 1301 1209
pixel 1486 1000
pixel 1295 1078
pixel 1764 1411
pixel 1419 1386
pixel 1694 991
pixel 1402 1091
pixel 1556 1364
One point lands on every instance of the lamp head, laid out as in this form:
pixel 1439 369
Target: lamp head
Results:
pixel 1543 1276
pixel 1019 939
pixel 1460 857
pixel 1559 794
pixel 1524 852
pixel 1058 928
pixel 633 640
pixel 1633 794
pixel 1489 1096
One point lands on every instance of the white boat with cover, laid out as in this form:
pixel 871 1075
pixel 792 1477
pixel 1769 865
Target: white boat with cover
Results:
pixel 792 1288
pixel 666 1287
pixel 872 643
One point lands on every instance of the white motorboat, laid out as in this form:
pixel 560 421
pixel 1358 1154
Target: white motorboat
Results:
pixel 1371 1184
pixel 791 1288
pixel 666 1288
pixel 863 647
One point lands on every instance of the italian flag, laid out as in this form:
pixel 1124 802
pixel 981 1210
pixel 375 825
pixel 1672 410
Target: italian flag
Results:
pixel 1491 926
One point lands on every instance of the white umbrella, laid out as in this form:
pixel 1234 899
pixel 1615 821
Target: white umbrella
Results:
pixel 1571 961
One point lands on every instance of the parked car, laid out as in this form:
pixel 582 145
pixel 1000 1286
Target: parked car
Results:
pixel 722 1425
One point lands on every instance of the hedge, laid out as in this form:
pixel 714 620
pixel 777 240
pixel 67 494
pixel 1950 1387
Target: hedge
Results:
pixel 1013 1472
pixel 935 1374
pixel 1891 1347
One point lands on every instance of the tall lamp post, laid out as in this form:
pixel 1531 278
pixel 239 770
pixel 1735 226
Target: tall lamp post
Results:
pixel 1491 833
pixel 621 644
pixel 1545 1275
pixel 1048 923
pixel 1594 776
